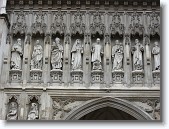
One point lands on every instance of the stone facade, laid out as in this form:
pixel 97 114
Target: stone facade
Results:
pixel 57 56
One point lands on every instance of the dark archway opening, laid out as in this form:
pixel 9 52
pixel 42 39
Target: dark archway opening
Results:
pixel 107 113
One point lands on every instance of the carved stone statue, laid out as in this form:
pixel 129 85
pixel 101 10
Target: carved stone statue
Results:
pixel 57 54
pixel 77 51
pixel 13 111
pixel 137 55
pixel 156 53
pixel 36 62
pixel 33 113
pixel 117 55
pixel 97 51
pixel 16 57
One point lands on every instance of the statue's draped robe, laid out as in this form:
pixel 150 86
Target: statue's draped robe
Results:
pixel 56 56
pixel 97 50
pixel 76 56
pixel 16 59
pixel 117 53
pixel 13 112
pixel 137 57
pixel 37 55
pixel 156 52
pixel 33 114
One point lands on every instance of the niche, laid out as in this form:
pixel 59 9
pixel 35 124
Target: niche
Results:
pixel 36 60
pixel 56 57
pixel 33 108
pixel 137 55
pixel 77 50
pixel 12 110
pixel 17 52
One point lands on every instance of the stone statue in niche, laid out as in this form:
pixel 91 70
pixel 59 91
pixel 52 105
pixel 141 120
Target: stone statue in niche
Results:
pixel 36 62
pixel 97 52
pixel 77 51
pixel 33 113
pixel 57 54
pixel 16 55
pixel 117 55
pixel 137 52
pixel 13 111
pixel 156 53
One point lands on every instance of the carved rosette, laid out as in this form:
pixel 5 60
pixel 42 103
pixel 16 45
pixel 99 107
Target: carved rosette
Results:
pixel 20 25
pixel 36 75
pixel 118 76
pixel 63 107
pixel 58 25
pixel 136 25
pixel 156 76
pixel 56 75
pixel 97 26
pixel 116 26
pixel 138 76
pixel 77 76
pixel 97 76
pixel 39 25
pixel 78 26
pixel 15 75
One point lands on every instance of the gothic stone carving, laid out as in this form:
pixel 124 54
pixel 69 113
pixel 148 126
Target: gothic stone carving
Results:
pixel 62 107
pixel 16 55
pixel 36 61
pixel 78 26
pixel 97 76
pixel 116 26
pixel 138 76
pixel 97 26
pixel 118 76
pixel 15 75
pixel 77 76
pixel 156 53
pixel 39 25
pixel 156 76
pixel 20 25
pixel 36 75
pixel 97 52
pixel 58 25
pixel 136 24
pixel 56 75
pixel 57 54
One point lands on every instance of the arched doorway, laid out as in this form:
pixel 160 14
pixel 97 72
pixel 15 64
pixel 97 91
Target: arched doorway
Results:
pixel 108 108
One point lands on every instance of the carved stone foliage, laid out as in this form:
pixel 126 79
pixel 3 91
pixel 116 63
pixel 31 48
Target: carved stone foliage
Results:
pixel 62 107
pixel 19 26
pixel 12 112
pixel 97 25
pixel 58 25
pixel 116 26
pixel 39 25
pixel 78 26
pixel 136 25
pixel 154 23
pixel 152 107
pixel 33 113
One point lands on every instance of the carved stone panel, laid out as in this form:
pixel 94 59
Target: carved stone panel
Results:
pixel 56 75
pixel 15 76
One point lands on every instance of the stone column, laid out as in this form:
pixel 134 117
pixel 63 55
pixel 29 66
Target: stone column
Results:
pixel 4 50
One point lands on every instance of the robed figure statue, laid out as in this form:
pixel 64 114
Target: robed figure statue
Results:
pixel 57 54
pixel 16 55
pixel 77 51
pixel 33 113
pixel 36 62
pixel 97 51
pixel 156 53
pixel 117 55
pixel 137 51
pixel 13 111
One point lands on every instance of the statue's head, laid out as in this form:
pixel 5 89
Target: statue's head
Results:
pixel 33 105
pixel 13 105
pixel 156 43
pixel 57 40
pixel 78 41
pixel 136 41
pixel 19 41
pixel 37 41
pixel 117 42
pixel 98 40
